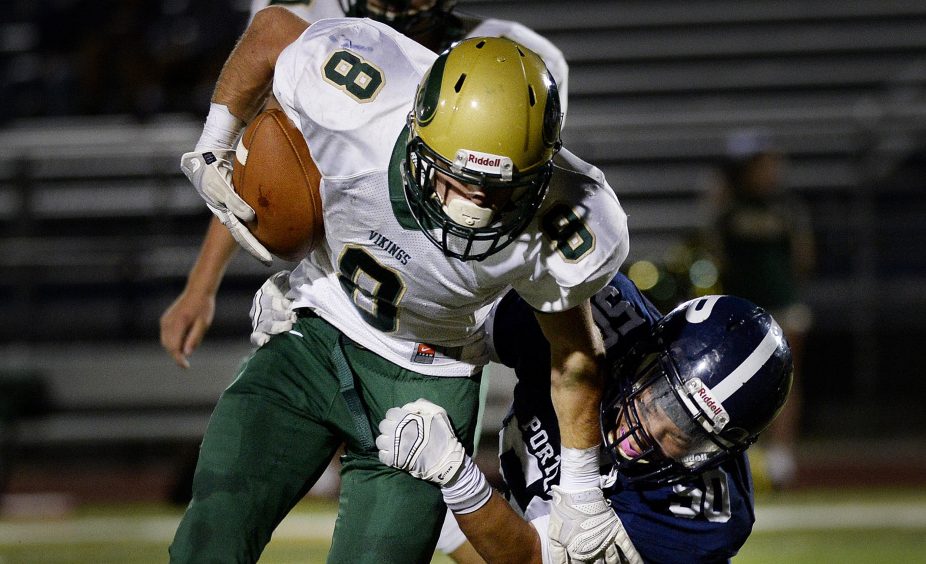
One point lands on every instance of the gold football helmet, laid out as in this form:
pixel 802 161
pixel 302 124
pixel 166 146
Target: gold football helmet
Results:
pixel 487 114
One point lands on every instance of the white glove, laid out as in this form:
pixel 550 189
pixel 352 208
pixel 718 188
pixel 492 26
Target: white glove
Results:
pixel 419 439
pixel 210 171
pixel 584 528
pixel 271 311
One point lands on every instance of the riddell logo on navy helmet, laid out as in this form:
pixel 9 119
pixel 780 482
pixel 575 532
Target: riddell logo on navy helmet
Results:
pixel 709 401
pixel 711 406
pixel 695 457
pixel 424 354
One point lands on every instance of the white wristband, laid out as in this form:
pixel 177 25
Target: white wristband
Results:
pixel 579 469
pixel 221 129
pixel 469 491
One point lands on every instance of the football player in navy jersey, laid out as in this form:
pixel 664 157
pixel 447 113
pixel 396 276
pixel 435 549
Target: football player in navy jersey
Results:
pixel 687 394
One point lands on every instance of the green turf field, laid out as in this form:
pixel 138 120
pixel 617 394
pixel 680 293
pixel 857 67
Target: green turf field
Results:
pixel 810 527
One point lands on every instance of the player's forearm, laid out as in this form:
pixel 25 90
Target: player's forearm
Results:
pixel 576 356
pixel 247 77
pixel 499 534
pixel 576 385
pixel 216 252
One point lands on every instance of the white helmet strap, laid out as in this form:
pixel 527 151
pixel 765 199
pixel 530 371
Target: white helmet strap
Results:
pixel 467 214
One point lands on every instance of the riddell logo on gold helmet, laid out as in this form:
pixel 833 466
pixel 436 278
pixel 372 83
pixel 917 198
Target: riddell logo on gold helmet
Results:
pixel 483 162
pixel 489 162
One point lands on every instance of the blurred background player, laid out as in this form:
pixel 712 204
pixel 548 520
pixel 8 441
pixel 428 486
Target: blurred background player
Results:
pixel 687 394
pixel 430 22
pixel 764 240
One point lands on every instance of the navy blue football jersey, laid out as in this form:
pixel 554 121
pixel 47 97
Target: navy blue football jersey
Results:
pixel 704 520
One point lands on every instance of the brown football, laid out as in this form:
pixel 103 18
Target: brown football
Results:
pixel 275 174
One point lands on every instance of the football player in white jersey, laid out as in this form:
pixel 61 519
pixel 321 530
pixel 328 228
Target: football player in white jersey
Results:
pixel 434 24
pixel 441 192
pixel 185 322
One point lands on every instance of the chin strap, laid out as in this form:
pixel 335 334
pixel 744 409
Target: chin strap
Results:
pixel 467 214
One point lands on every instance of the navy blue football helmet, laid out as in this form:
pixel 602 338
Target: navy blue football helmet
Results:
pixel 699 389
pixel 402 15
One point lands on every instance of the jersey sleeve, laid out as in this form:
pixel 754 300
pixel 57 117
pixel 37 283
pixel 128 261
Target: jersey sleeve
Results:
pixel 348 85
pixel 513 333
pixel 623 316
pixel 584 238
pixel 552 57
pixel 621 312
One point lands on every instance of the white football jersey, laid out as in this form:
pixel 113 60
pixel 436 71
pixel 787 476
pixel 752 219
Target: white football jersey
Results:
pixel 348 85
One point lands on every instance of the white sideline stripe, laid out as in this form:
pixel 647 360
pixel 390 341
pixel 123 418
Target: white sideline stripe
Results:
pixel 747 369
pixel 320 526
pixel 315 526
pixel 841 516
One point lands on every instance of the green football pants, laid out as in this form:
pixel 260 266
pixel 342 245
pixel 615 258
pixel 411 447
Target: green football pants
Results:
pixel 274 431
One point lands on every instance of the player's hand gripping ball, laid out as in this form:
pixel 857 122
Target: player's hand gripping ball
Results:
pixel 275 174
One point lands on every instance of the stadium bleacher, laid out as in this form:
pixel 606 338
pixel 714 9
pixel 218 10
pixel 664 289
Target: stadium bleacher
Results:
pixel 98 227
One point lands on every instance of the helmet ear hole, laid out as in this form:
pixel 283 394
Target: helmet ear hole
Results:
pixel 737 435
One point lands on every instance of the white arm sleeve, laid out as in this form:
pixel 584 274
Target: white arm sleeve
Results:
pixel 541 524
